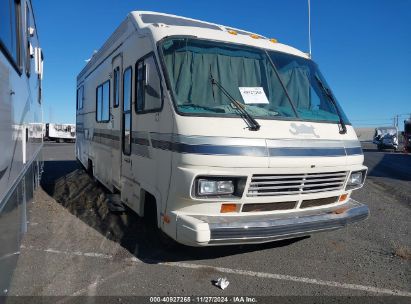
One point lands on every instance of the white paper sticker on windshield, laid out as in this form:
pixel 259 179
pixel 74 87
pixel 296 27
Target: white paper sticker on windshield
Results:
pixel 253 95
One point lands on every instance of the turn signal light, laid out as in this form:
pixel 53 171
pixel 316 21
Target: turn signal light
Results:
pixel 232 32
pixel 273 40
pixel 255 36
pixel 225 208
pixel 166 219
pixel 343 197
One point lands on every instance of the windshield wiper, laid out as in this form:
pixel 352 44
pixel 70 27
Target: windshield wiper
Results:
pixel 341 126
pixel 253 125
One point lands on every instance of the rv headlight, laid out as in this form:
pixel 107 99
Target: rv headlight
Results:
pixel 219 186
pixel 356 180
pixel 212 187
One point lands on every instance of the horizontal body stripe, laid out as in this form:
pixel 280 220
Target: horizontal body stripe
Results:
pixel 224 146
pixel 209 145
pixel 300 152
pixel 209 149
pixel 141 141
pixel 107 136
pixel 354 151
pixel 140 150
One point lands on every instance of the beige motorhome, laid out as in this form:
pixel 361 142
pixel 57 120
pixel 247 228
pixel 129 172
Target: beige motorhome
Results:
pixel 225 136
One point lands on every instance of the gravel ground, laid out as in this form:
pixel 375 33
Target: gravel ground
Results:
pixel 75 246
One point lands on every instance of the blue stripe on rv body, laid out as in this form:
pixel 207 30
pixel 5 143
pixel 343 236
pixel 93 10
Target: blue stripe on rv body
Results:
pixel 354 151
pixel 302 152
pixel 203 145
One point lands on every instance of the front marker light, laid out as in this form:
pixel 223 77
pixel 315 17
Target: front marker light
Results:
pixel 355 180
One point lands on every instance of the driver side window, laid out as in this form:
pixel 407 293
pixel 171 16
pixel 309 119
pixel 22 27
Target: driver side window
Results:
pixel 148 86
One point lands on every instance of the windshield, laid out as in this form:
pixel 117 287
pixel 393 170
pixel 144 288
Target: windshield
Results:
pixel 287 89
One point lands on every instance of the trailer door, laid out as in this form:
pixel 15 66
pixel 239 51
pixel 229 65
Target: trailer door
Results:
pixel 117 71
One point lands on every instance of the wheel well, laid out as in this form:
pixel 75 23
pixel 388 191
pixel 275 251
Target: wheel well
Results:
pixel 150 208
pixel 90 166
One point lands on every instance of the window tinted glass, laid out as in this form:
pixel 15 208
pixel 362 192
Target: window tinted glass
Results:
pixel 103 102
pixel 307 87
pixel 189 63
pixel 127 133
pixel 99 99
pixel 5 30
pixel 80 96
pixel 140 79
pixel 152 98
pixel 148 87
pixel 127 82
pixel 116 82
pixel 8 27
pixel 106 102
pixel 127 90
pixel 28 56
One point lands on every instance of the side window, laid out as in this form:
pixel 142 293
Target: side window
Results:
pixel 10 20
pixel 148 86
pixel 28 44
pixel 127 82
pixel 80 97
pixel 116 88
pixel 103 102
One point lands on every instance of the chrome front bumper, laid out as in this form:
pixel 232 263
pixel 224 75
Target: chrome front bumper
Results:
pixel 198 230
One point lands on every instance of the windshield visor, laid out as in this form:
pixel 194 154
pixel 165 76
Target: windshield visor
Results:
pixel 244 72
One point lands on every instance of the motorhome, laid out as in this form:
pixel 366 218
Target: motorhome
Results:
pixel 219 135
pixel 21 66
pixel 60 132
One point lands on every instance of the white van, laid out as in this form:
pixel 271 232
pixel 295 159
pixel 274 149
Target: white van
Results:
pixel 227 137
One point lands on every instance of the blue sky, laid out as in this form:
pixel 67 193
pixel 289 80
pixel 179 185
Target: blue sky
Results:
pixel 362 47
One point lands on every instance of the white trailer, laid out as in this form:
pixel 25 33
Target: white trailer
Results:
pixel 21 65
pixel 222 136
pixel 60 132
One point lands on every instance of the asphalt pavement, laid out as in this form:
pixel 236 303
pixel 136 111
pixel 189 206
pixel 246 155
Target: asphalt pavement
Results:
pixel 76 247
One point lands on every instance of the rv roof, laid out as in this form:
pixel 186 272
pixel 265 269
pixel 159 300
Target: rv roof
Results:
pixel 163 25
pixel 148 17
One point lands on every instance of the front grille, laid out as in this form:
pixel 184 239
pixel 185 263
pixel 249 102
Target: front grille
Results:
pixel 318 202
pixel 268 206
pixel 292 184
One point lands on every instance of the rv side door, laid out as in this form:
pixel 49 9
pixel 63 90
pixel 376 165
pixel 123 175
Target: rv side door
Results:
pixel 126 120
pixel 116 119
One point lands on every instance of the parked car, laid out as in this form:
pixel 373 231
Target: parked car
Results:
pixel 386 138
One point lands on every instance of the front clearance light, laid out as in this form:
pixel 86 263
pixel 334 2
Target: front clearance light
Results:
pixel 213 187
pixel 356 180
